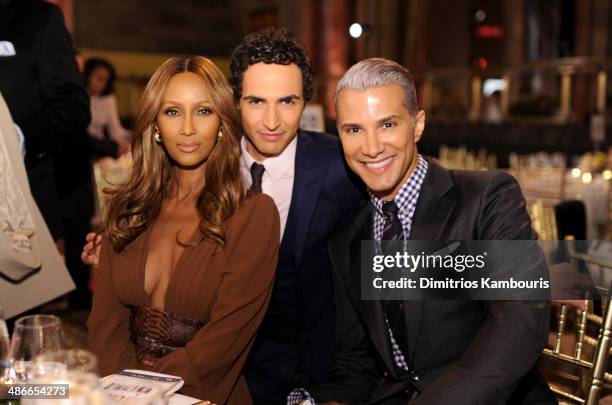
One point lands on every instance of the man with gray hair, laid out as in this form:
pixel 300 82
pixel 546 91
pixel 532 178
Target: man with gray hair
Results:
pixel 422 352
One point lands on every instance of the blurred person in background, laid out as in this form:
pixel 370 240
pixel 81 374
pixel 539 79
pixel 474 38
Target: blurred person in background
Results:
pixel 107 136
pixel 491 111
pixel 44 91
pixel 188 255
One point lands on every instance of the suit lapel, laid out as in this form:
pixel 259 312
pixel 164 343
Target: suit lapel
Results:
pixel 372 310
pixel 434 207
pixel 310 174
pixel 435 204
pixel 361 231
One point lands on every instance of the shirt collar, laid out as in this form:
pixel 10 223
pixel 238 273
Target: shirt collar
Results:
pixel 409 190
pixel 276 166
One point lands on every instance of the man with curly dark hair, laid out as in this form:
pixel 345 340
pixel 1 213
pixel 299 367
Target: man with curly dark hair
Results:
pixel 305 174
pixel 272 47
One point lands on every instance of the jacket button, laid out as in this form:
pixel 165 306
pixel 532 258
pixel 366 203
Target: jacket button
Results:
pixel 415 378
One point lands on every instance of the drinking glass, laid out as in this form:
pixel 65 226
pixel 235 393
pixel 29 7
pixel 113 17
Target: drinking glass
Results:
pixel 4 349
pixel 34 335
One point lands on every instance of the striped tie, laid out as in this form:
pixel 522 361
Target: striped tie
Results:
pixel 394 309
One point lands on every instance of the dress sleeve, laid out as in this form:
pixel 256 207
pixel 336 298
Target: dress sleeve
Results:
pixel 109 321
pixel 211 363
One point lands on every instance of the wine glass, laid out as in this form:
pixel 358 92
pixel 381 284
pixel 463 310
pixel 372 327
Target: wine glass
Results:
pixel 4 349
pixel 34 335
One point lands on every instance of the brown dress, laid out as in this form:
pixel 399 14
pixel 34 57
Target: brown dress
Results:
pixel 225 295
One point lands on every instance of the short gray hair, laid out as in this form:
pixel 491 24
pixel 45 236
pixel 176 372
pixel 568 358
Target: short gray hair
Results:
pixel 378 72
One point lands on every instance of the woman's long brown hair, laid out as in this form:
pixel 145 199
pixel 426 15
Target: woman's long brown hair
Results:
pixel 136 203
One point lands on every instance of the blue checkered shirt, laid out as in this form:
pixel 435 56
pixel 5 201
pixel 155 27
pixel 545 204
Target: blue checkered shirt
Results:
pixel 406 200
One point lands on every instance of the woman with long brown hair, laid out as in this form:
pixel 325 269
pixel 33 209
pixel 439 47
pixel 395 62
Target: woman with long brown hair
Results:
pixel 189 255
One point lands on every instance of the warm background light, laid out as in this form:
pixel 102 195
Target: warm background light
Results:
pixel 355 30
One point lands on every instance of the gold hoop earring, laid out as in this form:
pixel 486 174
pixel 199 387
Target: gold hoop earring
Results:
pixel 157 137
pixel 219 135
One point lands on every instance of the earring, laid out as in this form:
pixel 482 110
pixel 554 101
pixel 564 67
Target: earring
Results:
pixel 157 137
pixel 219 135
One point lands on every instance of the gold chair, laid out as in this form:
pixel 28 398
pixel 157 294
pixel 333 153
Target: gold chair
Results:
pixel 608 231
pixel 546 184
pixel 513 160
pixel 543 220
pixel 491 163
pixel 593 375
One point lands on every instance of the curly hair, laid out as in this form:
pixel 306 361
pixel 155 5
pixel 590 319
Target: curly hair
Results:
pixel 135 204
pixel 271 46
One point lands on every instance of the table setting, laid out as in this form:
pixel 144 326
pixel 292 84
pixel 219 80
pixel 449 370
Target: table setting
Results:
pixel 37 368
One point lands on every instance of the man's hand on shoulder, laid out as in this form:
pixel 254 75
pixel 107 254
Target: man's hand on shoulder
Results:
pixel 91 250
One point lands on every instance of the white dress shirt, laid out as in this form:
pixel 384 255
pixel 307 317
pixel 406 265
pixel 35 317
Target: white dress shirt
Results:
pixel 277 180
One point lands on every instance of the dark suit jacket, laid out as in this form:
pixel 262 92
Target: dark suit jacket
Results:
pixel 44 92
pixel 470 352
pixel 325 196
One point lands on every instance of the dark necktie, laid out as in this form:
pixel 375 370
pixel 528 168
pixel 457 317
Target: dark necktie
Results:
pixel 393 227
pixel 257 172
pixel 394 309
